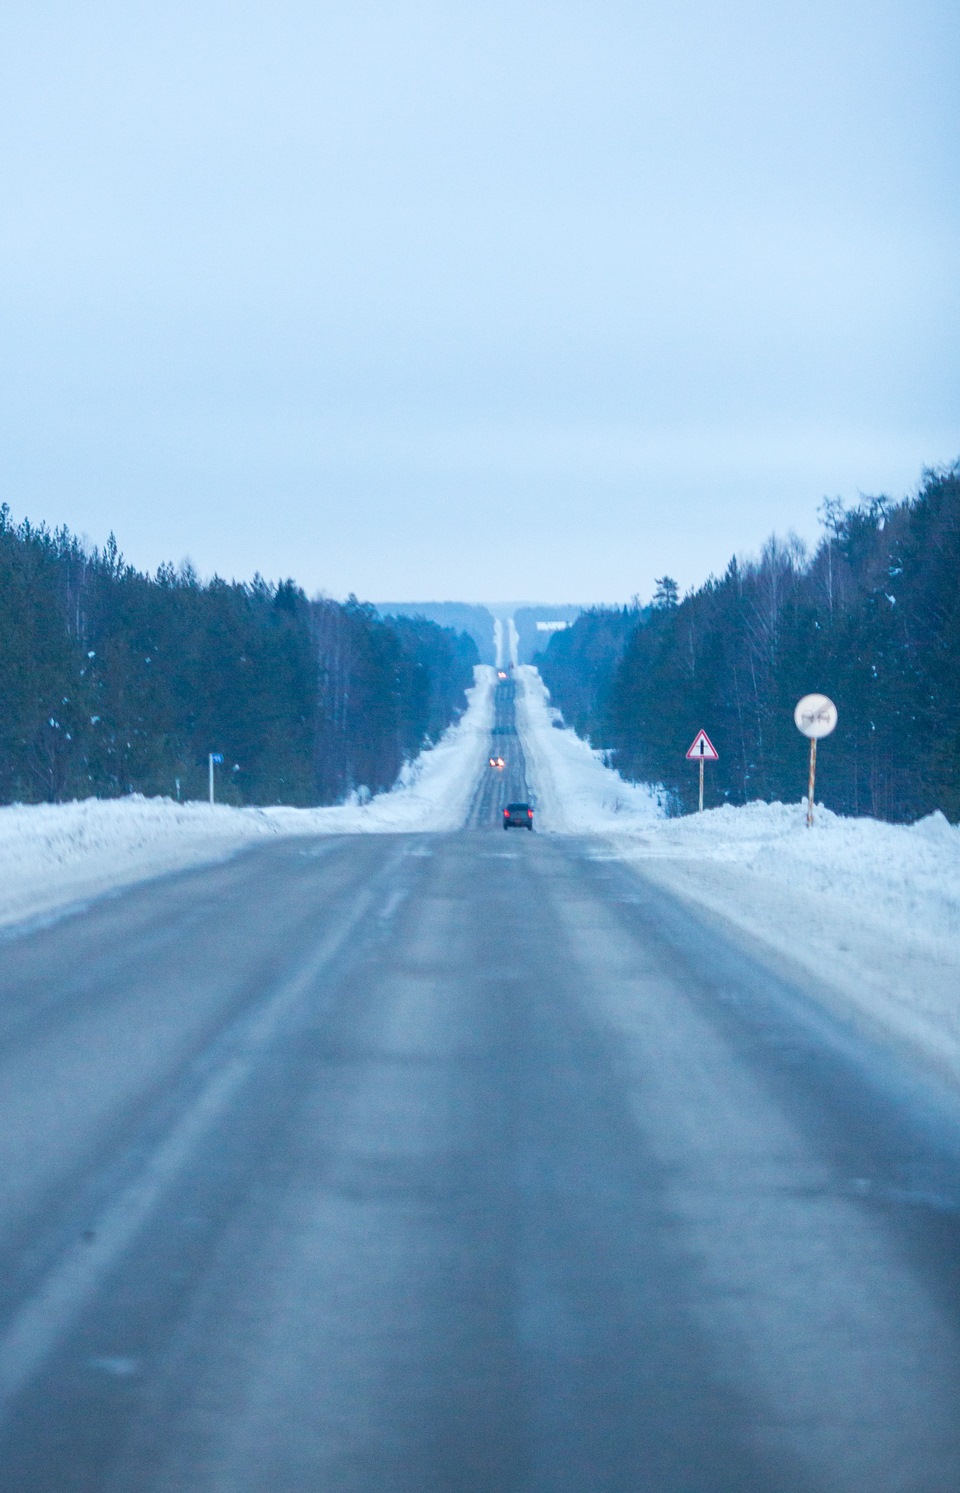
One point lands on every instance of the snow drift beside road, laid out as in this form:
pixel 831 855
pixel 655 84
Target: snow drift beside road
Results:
pixel 54 855
pixel 575 792
pixel 871 910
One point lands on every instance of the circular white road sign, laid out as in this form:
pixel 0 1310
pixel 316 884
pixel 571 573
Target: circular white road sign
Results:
pixel 815 715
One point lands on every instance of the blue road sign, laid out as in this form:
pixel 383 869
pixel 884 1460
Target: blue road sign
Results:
pixel 216 756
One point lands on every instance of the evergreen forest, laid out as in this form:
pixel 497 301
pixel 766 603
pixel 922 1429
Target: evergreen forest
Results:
pixel 114 681
pixel 870 618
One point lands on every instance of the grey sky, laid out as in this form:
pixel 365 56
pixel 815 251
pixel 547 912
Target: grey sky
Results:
pixel 474 301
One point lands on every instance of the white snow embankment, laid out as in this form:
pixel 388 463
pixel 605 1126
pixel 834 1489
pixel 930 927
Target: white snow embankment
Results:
pixel 575 792
pixel 871 910
pixel 56 855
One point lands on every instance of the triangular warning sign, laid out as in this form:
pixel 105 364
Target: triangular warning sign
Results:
pixel 703 749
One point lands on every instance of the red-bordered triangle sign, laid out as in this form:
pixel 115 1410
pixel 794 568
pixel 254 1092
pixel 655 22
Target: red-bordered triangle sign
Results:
pixel 703 749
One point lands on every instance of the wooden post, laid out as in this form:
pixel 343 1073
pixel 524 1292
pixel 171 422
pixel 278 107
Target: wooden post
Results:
pixel 815 715
pixel 813 777
pixel 703 750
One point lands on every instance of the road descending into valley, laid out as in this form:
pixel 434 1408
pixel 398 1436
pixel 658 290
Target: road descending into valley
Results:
pixel 459 1163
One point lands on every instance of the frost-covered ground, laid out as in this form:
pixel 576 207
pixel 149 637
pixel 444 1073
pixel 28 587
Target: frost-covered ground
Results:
pixel 53 856
pixel 870 911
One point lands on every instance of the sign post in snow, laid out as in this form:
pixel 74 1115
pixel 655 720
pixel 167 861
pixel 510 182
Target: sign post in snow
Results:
pixel 814 716
pixel 214 757
pixel 702 750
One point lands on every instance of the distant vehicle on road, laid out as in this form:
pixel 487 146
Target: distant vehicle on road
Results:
pixel 497 762
pixel 519 814
pixel 501 673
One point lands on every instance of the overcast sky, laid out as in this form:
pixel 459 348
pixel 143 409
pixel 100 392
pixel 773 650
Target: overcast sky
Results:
pixel 481 301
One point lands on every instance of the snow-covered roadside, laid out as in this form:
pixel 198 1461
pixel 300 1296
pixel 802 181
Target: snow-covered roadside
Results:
pixel 55 855
pixel 575 792
pixel 871 910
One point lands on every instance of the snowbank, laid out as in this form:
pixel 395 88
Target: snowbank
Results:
pixel 870 910
pixel 575 792
pixel 56 855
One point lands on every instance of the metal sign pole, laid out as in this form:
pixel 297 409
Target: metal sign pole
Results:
pixel 812 781
pixel 211 779
pixel 701 785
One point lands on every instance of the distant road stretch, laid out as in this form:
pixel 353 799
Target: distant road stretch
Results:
pixel 501 786
pixel 465 1163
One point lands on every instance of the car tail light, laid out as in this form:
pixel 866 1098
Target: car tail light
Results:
pixel 529 813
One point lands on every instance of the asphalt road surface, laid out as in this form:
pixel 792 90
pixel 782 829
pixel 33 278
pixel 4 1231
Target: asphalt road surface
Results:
pixel 500 786
pixel 460 1162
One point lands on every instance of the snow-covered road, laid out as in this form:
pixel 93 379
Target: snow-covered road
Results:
pixel 412 1161
pixel 869 911
pixel 55 856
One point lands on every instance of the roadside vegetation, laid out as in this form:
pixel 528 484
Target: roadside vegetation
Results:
pixel 871 618
pixel 113 681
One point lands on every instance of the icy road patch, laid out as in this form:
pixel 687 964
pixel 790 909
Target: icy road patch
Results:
pixel 53 856
pixel 868 911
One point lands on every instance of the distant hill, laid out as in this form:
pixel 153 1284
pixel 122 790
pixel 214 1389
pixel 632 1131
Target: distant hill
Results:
pixel 460 615
pixel 535 625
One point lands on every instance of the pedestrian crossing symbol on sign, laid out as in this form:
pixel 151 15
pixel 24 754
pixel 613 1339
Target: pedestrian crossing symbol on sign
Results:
pixel 703 749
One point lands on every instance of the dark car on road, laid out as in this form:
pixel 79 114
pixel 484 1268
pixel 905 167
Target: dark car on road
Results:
pixel 519 814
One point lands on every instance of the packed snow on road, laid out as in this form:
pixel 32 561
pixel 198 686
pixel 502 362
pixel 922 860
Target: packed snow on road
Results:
pixel 869 912
pixel 54 856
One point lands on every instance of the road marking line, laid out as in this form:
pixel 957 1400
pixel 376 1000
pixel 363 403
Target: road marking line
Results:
pixel 398 895
pixel 34 1330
